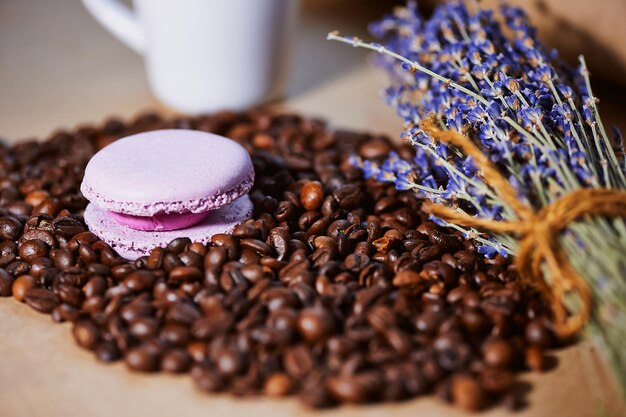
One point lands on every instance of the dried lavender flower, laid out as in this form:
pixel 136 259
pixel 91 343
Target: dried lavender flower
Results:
pixel 490 78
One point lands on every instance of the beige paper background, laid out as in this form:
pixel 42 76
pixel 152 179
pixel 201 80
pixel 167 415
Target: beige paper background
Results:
pixel 59 69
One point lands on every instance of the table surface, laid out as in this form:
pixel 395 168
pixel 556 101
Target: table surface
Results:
pixel 59 69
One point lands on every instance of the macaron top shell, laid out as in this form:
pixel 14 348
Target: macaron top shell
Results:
pixel 168 171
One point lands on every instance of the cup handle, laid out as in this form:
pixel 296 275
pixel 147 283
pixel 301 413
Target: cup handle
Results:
pixel 118 19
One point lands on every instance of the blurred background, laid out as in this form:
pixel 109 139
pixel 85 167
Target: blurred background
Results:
pixel 59 68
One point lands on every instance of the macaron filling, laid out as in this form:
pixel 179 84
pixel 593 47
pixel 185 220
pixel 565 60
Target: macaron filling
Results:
pixel 159 222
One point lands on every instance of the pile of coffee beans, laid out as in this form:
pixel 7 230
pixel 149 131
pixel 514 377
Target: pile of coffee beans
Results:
pixel 339 290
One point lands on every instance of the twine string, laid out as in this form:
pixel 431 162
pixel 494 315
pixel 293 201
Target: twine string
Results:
pixel 538 231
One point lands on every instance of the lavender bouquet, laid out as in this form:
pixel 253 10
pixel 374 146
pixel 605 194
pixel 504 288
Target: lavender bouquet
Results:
pixel 504 133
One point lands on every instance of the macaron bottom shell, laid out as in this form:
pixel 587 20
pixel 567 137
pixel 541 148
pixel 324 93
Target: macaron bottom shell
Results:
pixel 132 244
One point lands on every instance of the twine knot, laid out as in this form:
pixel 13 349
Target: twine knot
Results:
pixel 539 232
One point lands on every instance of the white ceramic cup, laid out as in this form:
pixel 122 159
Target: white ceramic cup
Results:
pixel 206 55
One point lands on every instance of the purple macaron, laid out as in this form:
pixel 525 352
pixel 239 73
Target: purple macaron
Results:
pixel 149 188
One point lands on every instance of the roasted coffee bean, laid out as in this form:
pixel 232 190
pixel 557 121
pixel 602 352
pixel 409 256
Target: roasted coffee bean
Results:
pixel 95 286
pixel 175 361
pixel 198 248
pixel 176 246
pixel 43 235
pixel 414 379
pixel 367 297
pixel 437 270
pixel 229 362
pixel 144 328
pixel 385 204
pixel 246 231
pixel 338 227
pixel 171 261
pixel 41 299
pixel 315 324
pixel 341 345
pixel 256 246
pixel 86 333
pixel 535 359
pixel 294 269
pixel 209 327
pixel 228 243
pixel 113 126
pixel 312 195
pixel 21 285
pixel 141 262
pixel 451 354
pixel 40 222
pixel 307 219
pixel 87 254
pixel 143 359
pixel 139 307
pixel 375 148
pixel 67 227
pixel 496 380
pixel 537 334
pixel 17 268
pixel 285 211
pixel 216 257
pixel 10 228
pixel 381 318
pixel 8 247
pixel 207 379
pixel 314 393
pixel 197 351
pixel 329 206
pixel 359 388
pixel 39 267
pixel 298 361
pixel 6 283
pixel 319 227
pixel 183 311
pixel 155 259
pixel 119 272
pixel 33 249
pixel 84 238
pixel 279 239
pixel 498 353
pixel 175 334
pixel 94 306
pixel 139 281
pixel 107 351
pixel 356 261
pixel 185 274
pixel 49 206
pixel 69 294
pixel 108 257
pixel 191 259
pixel 36 197
pixel 467 393
pixel 279 385
pixel 72 276
pixel 98 269
pixel 348 196
pixel 65 312
pixel 254 273
pixel 249 257
pixel 63 259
